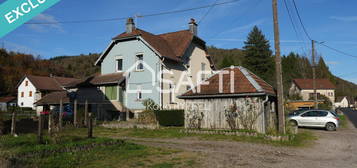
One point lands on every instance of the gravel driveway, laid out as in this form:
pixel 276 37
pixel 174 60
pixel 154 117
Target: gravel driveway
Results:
pixel 332 149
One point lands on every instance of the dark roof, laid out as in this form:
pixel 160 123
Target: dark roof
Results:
pixel 7 99
pixel 54 98
pixel 112 78
pixel 169 45
pixel 308 84
pixel 245 83
pixel 48 83
pixel 97 80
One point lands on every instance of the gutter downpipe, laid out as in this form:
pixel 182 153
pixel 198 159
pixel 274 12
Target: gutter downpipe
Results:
pixel 264 101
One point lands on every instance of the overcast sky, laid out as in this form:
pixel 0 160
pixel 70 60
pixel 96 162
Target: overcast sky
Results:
pixel 226 26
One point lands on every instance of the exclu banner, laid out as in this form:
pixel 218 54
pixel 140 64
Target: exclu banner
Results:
pixel 14 13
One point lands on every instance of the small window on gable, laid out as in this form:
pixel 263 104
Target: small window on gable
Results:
pixel 140 64
pixel 119 64
pixel 26 83
pixel 203 69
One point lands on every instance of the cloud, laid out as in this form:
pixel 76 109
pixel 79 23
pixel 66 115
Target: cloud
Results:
pixel 344 18
pixel 45 27
pixel 11 46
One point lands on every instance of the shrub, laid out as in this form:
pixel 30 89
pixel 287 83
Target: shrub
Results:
pixel 147 117
pixel 170 117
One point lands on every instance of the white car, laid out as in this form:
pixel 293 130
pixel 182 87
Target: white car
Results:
pixel 315 118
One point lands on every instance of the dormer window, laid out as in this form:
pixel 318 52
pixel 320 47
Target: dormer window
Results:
pixel 140 64
pixel 26 83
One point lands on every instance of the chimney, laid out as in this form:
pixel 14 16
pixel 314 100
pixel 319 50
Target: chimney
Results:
pixel 130 25
pixel 193 27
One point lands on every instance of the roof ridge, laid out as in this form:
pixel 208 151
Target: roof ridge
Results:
pixel 173 32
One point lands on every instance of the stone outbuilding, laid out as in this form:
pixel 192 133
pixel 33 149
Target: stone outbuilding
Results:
pixel 232 98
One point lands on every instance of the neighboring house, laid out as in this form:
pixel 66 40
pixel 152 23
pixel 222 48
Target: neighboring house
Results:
pixel 6 102
pixel 304 88
pixel 32 88
pixel 341 102
pixel 255 100
pixel 139 57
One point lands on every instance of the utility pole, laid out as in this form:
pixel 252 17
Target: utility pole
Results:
pixel 314 74
pixel 279 80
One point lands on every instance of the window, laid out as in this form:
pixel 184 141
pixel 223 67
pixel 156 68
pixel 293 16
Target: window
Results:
pixel 311 95
pixel 111 92
pixel 140 65
pixel 22 94
pixel 203 68
pixel 322 113
pixel 30 94
pixel 26 83
pixel 311 114
pixel 188 87
pixel 139 95
pixel 119 64
pixel 172 93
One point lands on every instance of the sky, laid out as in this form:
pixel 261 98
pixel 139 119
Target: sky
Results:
pixel 226 26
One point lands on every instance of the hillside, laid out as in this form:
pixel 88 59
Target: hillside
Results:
pixel 15 65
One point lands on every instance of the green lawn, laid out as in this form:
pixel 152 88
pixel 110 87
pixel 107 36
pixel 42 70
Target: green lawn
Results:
pixel 28 152
pixel 304 137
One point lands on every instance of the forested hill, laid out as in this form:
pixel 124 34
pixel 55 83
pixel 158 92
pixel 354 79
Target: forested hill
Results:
pixel 15 65
pixel 293 66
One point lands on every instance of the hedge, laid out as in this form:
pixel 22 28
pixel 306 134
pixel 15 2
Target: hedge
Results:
pixel 170 117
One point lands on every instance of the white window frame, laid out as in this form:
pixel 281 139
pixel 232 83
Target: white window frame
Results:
pixel 203 69
pixel 139 93
pixel 116 63
pixel 172 94
pixel 139 62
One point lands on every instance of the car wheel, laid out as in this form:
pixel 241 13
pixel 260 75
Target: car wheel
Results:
pixel 293 123
pixel 330 127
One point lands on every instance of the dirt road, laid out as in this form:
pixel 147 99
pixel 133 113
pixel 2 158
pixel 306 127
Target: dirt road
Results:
pixel 332 149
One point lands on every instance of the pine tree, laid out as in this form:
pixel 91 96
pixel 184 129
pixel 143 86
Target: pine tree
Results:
pixel 258 56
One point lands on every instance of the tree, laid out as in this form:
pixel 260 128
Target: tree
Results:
pixel 258 56
pixel 226 62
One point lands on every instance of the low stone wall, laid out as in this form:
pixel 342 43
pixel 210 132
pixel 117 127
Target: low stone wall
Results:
pixel 237 133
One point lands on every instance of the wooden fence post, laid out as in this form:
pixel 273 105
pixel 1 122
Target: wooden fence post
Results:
pixel 90 126
pixel 75 119
pixel 50 122
pixel 13 122
pixel 86 113
pixel 40 126
pixel 60 116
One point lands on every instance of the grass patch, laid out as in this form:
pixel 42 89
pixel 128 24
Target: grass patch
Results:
pixel 27 151
pixel 343 121
pixel 303 138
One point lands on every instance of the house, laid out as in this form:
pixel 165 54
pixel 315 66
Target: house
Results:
pixel 32 88
pixel 152 66
pixel 209 105
pixel 304 88
pixel 6 102
pixel 341 102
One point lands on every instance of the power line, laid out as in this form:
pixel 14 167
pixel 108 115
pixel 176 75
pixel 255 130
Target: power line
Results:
pixel 302 24
pixel 337 50
pixel 208 11
pixel 139 16
pixel 294 26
